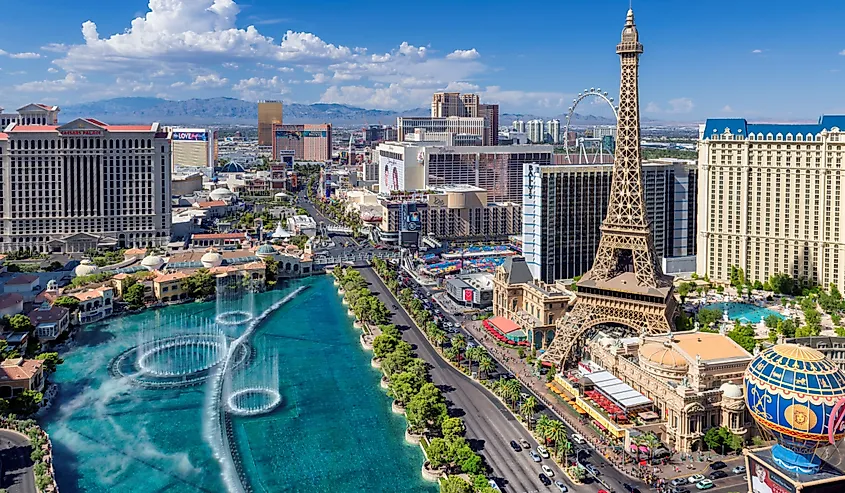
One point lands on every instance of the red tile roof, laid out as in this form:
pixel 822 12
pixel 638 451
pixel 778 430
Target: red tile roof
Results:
pixel 212 203
pixel 22 279
pixel 35 128
pixel 52 315
pixel 4 136
pixel 170 277
pixel 19 369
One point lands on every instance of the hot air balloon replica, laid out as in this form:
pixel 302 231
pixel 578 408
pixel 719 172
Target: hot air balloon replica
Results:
pixel 797 397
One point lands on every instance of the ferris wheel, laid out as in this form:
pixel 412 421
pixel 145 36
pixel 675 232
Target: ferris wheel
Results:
pixel 588 150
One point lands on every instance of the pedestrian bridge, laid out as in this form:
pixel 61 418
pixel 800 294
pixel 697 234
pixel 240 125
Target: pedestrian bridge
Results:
pixel 338 229
pixel 353 257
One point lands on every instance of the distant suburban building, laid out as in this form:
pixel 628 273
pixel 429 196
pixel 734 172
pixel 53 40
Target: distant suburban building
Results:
pixel 84 184
pixel 18 374
pixel 310 142
pixel 11 304
pixel 535 131
pixel 565 205
pixel 269 113
pixel 770 200
pixel 302 225
pixel 49 321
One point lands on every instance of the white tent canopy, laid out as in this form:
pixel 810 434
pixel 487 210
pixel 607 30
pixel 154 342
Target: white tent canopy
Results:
pixel 616 390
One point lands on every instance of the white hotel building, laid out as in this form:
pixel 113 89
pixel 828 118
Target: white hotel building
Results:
pixel 84 184
pixel 770 200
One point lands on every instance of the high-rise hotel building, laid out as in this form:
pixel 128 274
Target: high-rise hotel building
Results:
pixel 84 184
pixel 564 205
pixel 269 113
pixel 770 200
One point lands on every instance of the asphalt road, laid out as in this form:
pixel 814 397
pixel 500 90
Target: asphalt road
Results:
pixel 17 466
pixel 490 425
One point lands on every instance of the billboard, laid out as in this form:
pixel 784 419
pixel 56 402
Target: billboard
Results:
pixel 409 218
pixel 468 295
pixel 765 479
pixel 391 174
pixel 191 136
pixel 288 134
pixel 314 133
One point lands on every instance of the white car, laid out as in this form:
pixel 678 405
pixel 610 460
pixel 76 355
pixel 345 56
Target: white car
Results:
pixel 548 470
pixel 543 451
pixel 578 439
pixel 561 487
pixel 695 479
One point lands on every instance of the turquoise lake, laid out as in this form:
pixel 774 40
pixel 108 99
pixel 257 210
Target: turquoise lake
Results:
pixel 334 431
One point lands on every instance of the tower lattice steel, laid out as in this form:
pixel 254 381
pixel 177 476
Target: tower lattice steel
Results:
pixel 626 286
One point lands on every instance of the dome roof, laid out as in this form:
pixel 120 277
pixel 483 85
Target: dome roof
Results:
pixel 731 390
pixel 791 390
pixel 663 355
pixel 211 259
pixel 152 262
pixel 221 194
pixel 232 168
pixel 85 268
pixel 266 249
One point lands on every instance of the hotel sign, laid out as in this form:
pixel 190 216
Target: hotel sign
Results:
pixel 85 133
pixel 191 136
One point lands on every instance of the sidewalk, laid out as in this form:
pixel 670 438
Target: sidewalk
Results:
pixel 508 358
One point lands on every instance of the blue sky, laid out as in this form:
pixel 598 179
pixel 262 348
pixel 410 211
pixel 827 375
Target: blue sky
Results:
pixel 763 59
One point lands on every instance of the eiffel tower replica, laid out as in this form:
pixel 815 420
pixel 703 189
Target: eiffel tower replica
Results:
pixel 626 286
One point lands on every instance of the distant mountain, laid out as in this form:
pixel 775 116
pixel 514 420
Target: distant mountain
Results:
pixel 229 111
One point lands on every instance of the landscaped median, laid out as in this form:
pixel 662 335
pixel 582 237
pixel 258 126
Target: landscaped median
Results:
pixel 42 451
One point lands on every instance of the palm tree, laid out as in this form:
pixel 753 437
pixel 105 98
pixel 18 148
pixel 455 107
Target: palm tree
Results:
pixel 473 353
pixel 529 407
pixel 486 365
pixel 512 391
pixel 451 353
pixel 438 337
pixel 542 428
pixel 459 342
pixel 557 433
pixel 652 442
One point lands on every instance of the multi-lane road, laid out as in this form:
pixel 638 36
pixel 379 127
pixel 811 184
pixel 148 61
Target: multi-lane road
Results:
pixel 17 475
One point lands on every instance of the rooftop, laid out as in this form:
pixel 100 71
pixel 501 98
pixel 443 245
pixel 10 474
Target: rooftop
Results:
pixel 8 300
pixel 48 315
pixel 710 346
pixel 175 276
pixel 741 127
pixel 19 369
pixel 22 279
pixel 218 236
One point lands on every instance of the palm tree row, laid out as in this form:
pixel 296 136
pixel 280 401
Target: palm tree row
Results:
pixel 366 306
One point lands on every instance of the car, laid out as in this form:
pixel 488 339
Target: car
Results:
pixel 543 451
pixel 718 465
pixel 678 489
pixel 602 491
pixel 534 456
pixel 524 443
pixel 679 481
pixel 718 475
pixel 515 446
pixel 627 487
pixel 545 479
pixel 738 470
pixel 704 484
pixel 591 469
pixel 561 487
pixel 548 470
pixel 578 439
pixel 695 479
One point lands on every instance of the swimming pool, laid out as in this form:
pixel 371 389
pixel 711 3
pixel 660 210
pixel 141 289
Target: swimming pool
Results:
pixel 744 312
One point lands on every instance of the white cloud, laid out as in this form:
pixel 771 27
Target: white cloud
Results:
pixel 319 78
pixel 178 84
pixel 842 52
pixel 52 70
pixel 758 51
pixel 71 81
pixel 522 99
pixel 464 55
pixel 675 106
pixel 25 55
pixel 727 109
pixel 256 88
pixel 284 69
pixel 209 80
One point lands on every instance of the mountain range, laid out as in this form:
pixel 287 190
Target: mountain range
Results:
pixel 232 111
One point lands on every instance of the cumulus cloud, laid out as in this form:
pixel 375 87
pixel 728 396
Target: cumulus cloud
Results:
pixel 757 52
pixel 674 106
pixel 71 81
pixel 22 56
pixel 52 70
pixel 319 78
pixel 727 109
pixel 842 52
pixel 464 55
pixel 209 80
pixel 256 88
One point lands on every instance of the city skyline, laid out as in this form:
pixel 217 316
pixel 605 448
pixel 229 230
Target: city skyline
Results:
pixel 305 53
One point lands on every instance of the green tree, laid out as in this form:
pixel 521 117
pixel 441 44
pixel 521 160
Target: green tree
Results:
pixel 200 284
pixel 708 316
pixel 384 344
pixel 51 361
pixel 772 321
pixel 486 365
pixel 787 328
pixel 453 428
pixel 438 453
pixel 744 336
pixel 557 434
pixel 427 409
pixel 403 386
pixel 26 403
pixel 737 276
pixel 20 323
pixel 782 284
pixel 455 484
pixel 134 296
pixel 528 408
pixel 69 302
